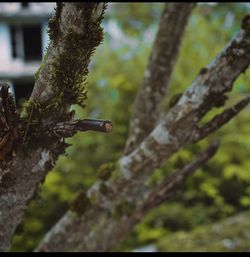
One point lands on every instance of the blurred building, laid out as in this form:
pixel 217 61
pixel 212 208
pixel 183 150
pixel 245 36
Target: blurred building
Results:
pixel 23 40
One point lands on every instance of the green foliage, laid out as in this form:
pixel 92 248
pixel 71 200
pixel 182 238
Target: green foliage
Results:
pixel 218 190
pixel 123 208
pixel 80 203
pixel 105 171
pixel 227 236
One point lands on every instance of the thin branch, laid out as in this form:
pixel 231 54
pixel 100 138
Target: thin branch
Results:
pixel 69 128
pixel 179 126
pixel 96 228
pixel 114 228
pixel 148 101
pixel 163 192
pixel 67 30
pixel 220 119
pixel 175 181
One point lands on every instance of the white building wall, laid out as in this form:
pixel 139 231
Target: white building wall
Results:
pixel 15 68
pixel 5 45
pixel 45 36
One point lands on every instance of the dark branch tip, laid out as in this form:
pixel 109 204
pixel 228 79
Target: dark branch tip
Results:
pixel 246 22
pixel 212 149
pixel 108 127
pixel 203 71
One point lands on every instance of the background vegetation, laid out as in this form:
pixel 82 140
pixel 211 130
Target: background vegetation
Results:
pixel 217 191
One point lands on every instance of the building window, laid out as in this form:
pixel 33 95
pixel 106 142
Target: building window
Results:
pixel 13 32
pixel 26 42
pixel 32 43
pixel 23 90
pixel 24 5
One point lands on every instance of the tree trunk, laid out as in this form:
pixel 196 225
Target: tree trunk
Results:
pixel 101 217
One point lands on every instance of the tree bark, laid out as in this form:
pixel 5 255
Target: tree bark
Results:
pixel 108 210
pixel 154 87
pixel 59 84
pixel 100 218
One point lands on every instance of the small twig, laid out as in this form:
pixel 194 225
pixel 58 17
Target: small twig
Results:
pixel 68 129
pixel 220 119
pixel 94 125
pixel 168 187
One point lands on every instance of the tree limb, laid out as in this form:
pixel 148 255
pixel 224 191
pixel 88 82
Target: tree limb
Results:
pixel 108 214
pixel 178 127
pixel 59 83
pixel 113 230
pixel 74 26
pixel 69 128
pixel 220 119
pixel 162 192
pixel 148 101
pixel 166 189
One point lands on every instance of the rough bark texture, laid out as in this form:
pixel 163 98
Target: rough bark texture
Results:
pixel 74 26
pixel 115 229
pixel 68 129
pixel 100 218
pixel 109 209
pixel 153 90
pixel 172 183
pixel 220 119
pixel 54 90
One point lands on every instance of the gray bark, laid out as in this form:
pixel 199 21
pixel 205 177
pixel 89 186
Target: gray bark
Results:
pixel 154 87
pixel 110 208
pixel 36 152
pixel 101 217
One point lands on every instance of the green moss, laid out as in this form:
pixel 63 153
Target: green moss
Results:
pixel 68 70
pixel 123 208
pixel 231 234
pixel 53 24
pixel 103 189
pixel 42 65
pixel 231 54
pixel 80 203
pixel 203 71
pixel 175 98
pixel 116 175
pixel 93 198
pixel 246 22
pixel 105 171
pixel 31 115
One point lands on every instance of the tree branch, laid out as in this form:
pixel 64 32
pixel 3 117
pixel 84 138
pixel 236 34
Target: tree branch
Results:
pixel 166 189
pixel 59 83
pixel 178 127
pixel 220 119
pixel 147 106
pixel 118 228
pixel 74 26
pixel 69 128
pixel 110 204
pixel 163 192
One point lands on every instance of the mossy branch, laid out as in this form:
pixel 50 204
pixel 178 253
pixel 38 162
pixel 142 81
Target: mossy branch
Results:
pixel 74 32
